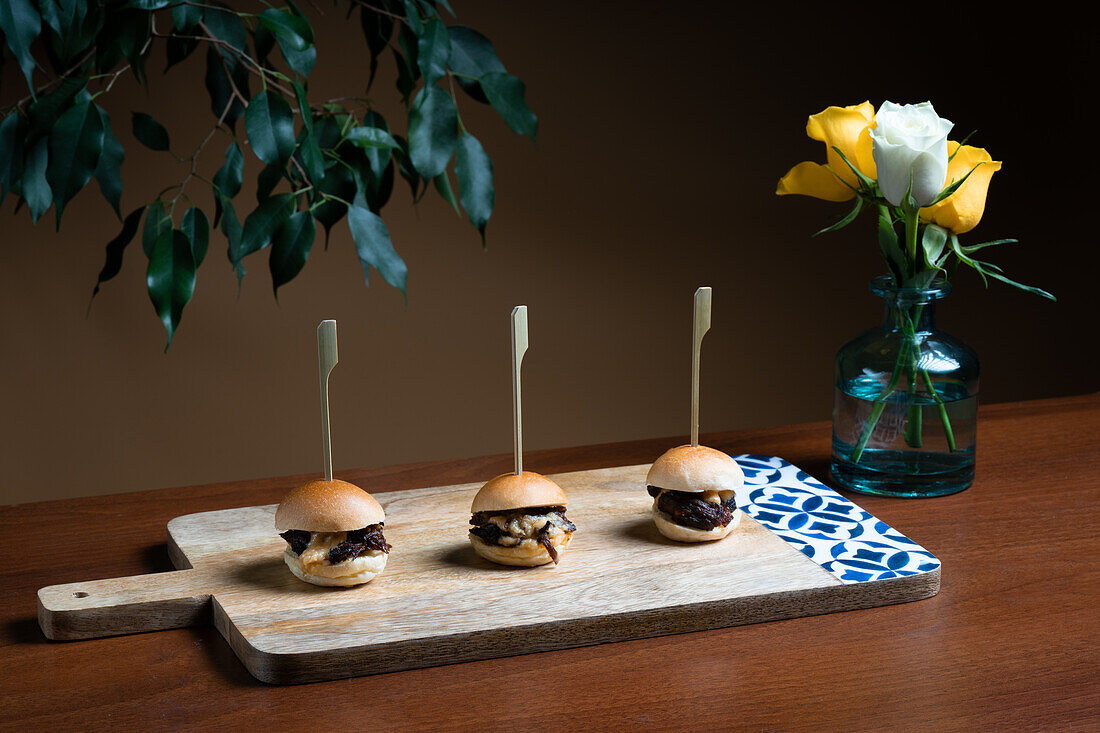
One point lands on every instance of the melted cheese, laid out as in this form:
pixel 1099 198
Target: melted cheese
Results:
pixel 521 531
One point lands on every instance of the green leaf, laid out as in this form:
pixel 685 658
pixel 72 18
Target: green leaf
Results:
pixel 506 93
pixel 308 146
pixel 377 29
pixel 157 222
pixel 263 41
pixel 149 4
pixel 984 270
pixel 472 54
pixel 371 137
pixel 230 176
pixel 221 77
pixel 429 7
pixel 226 25
pixel 36 189
pixel 867 183
pixel 406 80
pixel 433 51
pixel 339 182
pixel 409 41
pixel 472 57
pixel 1026 288
pixel 108 172
pixel 443 185
pixel 412 14
pixel 433 131
pixel 290 249
pixel 13 131
pixel 372 243
pixel 76 142
pixel 266 181
pixel 970 249
pixel 292 31
pixel 185 17
pixel 177 49
pixel 933 244
pixel 405 167
pixel 231 228
pixel 196 227
pixel 889 245
pixel 260 226
pixel 42 113
pixel 845 220
pixel 112 265
pixel 947 191
pixel 328 131
pixel 301 61
pixel 170 278
pixel 269 123
pixel 149 132
pixel 124 35
pixel 295 38
pixel 475 180
pixel 21 24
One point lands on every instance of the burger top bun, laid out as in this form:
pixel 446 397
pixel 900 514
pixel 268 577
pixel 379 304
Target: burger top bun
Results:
pixel 509 491
pixel 328 506
pixel 695 468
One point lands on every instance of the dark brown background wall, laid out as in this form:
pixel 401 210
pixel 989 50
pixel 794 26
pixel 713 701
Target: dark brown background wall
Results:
pixel 663 129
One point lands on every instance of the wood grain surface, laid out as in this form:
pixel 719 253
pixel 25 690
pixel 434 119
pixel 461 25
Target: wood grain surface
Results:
pixel 1009 643
pixel 438 602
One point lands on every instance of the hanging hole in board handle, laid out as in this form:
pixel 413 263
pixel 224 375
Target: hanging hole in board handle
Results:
pixel 80 594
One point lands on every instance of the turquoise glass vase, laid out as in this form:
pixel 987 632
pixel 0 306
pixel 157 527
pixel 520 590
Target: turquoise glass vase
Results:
pixel 905 401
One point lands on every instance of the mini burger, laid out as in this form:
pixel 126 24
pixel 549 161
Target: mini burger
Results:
pixel 520 520
pixel 693 490
pixel 334 533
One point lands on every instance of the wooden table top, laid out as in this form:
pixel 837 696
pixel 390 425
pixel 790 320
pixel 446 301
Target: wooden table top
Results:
pixel 1009 643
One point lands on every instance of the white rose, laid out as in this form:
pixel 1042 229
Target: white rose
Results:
pixel 910 144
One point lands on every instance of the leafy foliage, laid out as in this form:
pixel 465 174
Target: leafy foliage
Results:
pixel 923 251
pixel 319 161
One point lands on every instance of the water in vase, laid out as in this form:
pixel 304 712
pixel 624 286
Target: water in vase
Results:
pixel 908 452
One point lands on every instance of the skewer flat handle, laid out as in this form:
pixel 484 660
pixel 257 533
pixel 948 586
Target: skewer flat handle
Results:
pixel 327 358
pixel 699 329
pixel 519 348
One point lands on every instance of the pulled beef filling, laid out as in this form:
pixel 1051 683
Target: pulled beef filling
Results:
pixel 534 511
pixel 489 533
pixel 298 539
pixel 358 542
pixel 689 509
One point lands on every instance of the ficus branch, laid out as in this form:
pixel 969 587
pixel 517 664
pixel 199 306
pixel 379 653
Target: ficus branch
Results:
pixel 194 157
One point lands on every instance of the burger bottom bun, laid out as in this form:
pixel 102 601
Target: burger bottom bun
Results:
pixel 680 533
pixel 527 553
pixel 352 572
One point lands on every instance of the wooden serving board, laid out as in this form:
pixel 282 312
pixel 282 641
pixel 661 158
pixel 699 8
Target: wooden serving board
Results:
pixel 801 550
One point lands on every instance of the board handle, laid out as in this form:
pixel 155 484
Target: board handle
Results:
pixel 125 605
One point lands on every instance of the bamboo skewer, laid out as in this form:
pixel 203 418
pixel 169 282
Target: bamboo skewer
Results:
pixel 699 329
pixel 327 358
pixel 519 348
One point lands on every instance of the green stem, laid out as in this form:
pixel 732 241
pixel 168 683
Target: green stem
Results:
pixel 942 407
pixel 912 225
pixel 914 423
pixel 877 406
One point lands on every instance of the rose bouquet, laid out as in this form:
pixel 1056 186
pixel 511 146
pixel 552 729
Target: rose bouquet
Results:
pixel 924 191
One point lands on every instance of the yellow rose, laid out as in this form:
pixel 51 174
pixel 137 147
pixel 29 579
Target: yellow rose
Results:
pixel 961 211
pixel 847 128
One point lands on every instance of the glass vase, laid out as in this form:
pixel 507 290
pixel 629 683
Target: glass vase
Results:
pixel 905 401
